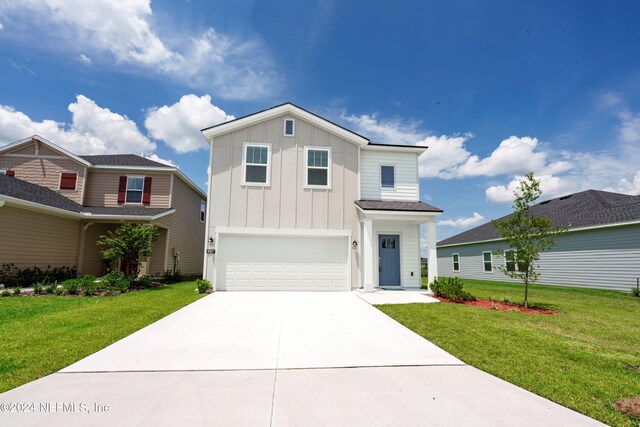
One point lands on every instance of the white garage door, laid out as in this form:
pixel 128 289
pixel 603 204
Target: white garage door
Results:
pixel 283 263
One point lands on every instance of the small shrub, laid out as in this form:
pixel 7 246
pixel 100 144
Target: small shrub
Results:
pixel 38 288
pixel 451 288
pixel 143 282
pixel 635 292
pixel 72 286
pixel 172 276
pixel 51 288
pixel 203 286
pixel 5 293
pixel 58 290
pixel 17 290
pixel 91 289
pixel 117 280
pixel 86 280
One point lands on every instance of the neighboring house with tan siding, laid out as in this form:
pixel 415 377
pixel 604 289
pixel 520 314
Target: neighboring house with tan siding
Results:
pixel 305 204
pixel 54 205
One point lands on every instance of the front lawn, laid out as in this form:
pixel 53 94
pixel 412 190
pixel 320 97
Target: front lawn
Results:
pixel 41 335
pixel 584 358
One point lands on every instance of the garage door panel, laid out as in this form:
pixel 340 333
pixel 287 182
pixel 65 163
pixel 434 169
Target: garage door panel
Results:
pixel 277 262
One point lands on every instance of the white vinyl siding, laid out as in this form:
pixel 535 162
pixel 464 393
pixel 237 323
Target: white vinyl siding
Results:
pixel 406 175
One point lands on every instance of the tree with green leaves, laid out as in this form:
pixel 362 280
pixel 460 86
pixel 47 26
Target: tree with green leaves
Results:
pixel 130 243
pixel 527 235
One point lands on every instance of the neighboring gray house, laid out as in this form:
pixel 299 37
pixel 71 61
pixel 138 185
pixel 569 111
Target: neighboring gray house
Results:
pixel 600 250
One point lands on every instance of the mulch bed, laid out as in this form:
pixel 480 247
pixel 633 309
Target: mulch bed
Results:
pixel 628 405
pixel 501 306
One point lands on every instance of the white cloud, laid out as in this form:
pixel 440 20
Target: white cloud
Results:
pixel 84 59
pixel 124 31
pixel 1 26
pixel 179 125
pixel 628 187
pixel 443 155
pixel 93 130
pixel 388 131
pixel 629 127
pixel 462 222
pixel 159 159
pixel 551 186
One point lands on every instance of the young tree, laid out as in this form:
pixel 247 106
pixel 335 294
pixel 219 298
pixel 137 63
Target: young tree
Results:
pixel 129 243
pixel 526 234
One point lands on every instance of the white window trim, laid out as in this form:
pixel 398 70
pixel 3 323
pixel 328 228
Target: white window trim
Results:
pixel 293 127
pixel 306 168
pixel 60 181
pixel 453 262
pixel 203 210
pixel 126 190
pixel 3 171
pixel 490 261
pixel 244 164
pixel 394 176
pixel 515 266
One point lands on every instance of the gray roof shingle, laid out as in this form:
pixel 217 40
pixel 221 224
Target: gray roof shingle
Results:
pixel 584 209
pixel 23 190
pixel 123 160
pixel 395 205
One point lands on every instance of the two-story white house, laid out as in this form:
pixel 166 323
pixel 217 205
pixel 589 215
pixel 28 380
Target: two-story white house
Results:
pixel 297 202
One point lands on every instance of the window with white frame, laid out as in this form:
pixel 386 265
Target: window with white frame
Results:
pixel 487 261
pixel 257 161
pixel 387 176
pixel 289 127
pixel 203 210
pixel 135 188
pixel 318 161
pixel 456 262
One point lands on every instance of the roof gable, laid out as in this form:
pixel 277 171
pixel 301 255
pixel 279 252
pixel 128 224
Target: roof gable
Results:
pixel 19 146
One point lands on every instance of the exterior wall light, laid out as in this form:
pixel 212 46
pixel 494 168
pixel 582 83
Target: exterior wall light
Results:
pixel 354 244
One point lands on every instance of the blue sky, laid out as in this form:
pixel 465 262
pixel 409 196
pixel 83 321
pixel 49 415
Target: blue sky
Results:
pixel 495 89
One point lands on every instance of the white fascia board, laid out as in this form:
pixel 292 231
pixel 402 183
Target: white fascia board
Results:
pixel 49 144
pixel 39 207
pixel 277 111
pixel 89 215
pixel 571 230
pixel 398 149
pixel 283 231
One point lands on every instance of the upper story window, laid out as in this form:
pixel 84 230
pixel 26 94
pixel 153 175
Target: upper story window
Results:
pixel 387 176
pixel 203 210
pixel 487 260
pixel 289 127
pixel 135 188
pixel 257 162
pixel 318 161
pixel 456 262
pixel 68 180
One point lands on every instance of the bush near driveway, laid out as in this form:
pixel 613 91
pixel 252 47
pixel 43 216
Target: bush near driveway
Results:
pixel 42 335
pixel 585 358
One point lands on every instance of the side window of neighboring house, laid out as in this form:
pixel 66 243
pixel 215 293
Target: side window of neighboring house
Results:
pixel 134 190
pixel 487 260
pixel 456 262
pixel 203 209
pixel 387 176
pixel 318 165
pixel 257 162
pixel 510 260
pixel 289 127
pixel 68 180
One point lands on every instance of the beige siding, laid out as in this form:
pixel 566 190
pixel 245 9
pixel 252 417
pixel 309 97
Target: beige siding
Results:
pixel 285 203
pixel 31 239
pixel 159 256
pixel 45 172
pixel 92 262
pixel 186 232
pixel 102 188
pixel 406 175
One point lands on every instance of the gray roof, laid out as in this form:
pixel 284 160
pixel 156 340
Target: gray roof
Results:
pixel 123 160
pixel 23 190
pixel 584 209
pixel 395 205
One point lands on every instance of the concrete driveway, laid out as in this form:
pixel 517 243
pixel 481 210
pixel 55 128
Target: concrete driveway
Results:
pixel 281 359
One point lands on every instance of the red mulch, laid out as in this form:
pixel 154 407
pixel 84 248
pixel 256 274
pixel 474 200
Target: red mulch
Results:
pixel 501 306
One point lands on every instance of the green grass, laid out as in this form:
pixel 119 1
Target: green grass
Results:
pixel 41 335
pixel 582 358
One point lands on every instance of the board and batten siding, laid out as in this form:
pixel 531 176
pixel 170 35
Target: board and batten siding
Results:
pixel 102 188
pixel 604 258
pixel 406 175
pixel 29 238
pixel 409 250
pixel 285 203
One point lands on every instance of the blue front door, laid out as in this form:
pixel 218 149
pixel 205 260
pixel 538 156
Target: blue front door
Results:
pixel 389 253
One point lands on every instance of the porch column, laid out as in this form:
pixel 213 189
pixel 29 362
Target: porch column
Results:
pixel 432 256
pixel 367 251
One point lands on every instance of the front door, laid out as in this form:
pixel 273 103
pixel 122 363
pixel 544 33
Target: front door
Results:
pixel 389 264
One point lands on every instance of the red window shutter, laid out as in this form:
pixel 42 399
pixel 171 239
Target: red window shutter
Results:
pixel 122 190
pixel 68 181
pixel 146 193
pixel 10 173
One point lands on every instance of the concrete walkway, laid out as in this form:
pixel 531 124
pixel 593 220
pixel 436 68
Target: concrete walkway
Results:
pixel 281 359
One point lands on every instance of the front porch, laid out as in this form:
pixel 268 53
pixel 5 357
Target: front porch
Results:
pixel 390 233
